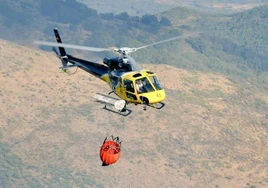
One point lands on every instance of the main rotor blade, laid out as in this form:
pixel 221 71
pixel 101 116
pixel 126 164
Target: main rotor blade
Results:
pixel 78 47
pixel 167 40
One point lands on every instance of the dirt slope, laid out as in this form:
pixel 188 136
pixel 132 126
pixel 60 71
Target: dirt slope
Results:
pixel 211 133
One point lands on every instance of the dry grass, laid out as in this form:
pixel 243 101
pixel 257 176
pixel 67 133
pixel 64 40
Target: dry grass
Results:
pixel 209 134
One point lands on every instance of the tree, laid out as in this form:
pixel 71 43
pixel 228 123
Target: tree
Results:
pixel 165 22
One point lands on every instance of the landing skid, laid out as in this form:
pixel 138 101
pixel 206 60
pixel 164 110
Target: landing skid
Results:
pixel 158 106
pixel 123 112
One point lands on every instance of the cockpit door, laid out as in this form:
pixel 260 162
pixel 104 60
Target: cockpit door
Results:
pixel 129 90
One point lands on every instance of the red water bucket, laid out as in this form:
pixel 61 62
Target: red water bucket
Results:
pixel 110 151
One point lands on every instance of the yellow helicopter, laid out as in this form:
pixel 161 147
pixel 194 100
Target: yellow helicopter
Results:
pixel 126 79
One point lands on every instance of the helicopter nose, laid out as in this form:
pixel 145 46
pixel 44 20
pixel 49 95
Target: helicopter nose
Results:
pixel 161 95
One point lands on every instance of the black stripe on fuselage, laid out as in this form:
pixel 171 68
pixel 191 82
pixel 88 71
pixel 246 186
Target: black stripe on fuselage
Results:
pixel 96 69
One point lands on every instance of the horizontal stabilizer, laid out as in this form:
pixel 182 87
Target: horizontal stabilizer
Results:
pixel 67 67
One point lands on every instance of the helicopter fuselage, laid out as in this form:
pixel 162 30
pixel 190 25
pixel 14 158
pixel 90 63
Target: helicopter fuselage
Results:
pixel 125 85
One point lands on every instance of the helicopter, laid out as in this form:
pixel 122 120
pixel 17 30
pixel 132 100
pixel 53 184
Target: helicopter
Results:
pixel 126 78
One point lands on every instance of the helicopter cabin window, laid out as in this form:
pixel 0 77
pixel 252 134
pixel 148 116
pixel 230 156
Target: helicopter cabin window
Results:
pixel 143 85
pixel 128 84
pixel 155 82
pixel 149 72
pixel 136 75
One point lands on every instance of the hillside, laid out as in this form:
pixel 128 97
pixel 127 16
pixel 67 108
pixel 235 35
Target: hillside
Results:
pixel 234 45
pixel 211 133
pixel 247 29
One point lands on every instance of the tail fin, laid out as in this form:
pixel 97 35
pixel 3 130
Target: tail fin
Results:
pixel 63 56
pixel 58 39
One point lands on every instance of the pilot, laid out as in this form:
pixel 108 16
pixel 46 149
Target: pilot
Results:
pixel 139 86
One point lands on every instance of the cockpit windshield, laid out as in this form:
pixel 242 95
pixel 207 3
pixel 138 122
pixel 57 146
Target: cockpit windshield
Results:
pixel 143 85
pixel 155 82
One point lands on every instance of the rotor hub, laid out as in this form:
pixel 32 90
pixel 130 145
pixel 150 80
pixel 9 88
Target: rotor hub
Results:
pixel 125 50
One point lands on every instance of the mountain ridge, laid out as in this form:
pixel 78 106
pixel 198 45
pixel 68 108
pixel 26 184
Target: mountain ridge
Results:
pixel 156 6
